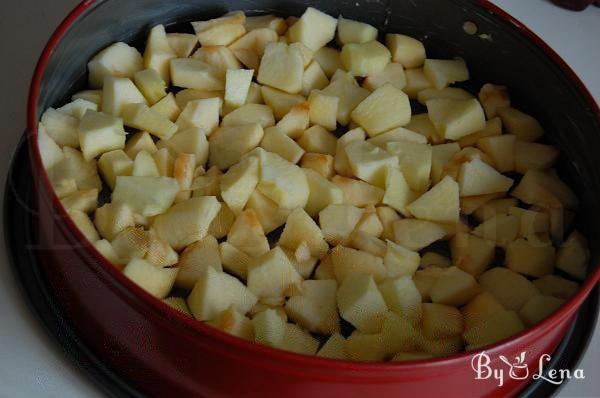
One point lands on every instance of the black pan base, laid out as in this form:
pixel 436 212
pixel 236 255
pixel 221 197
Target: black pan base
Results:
pixel 19 235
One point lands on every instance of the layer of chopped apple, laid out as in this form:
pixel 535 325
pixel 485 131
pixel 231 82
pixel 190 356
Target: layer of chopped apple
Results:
pixel 283 191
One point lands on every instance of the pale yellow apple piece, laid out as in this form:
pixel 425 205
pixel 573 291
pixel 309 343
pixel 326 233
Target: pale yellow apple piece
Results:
pixel 386 108
pixel 338 221
pixel 442 72
pixel 478 178
pixel 156 281
pixel 272 275
pixel 472 254
pixel 406 50
pixel 441 203
pixel 360 303
pixel 247 234
pixel 510 288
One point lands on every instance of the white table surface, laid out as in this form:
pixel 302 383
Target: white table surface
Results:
pixel 30 363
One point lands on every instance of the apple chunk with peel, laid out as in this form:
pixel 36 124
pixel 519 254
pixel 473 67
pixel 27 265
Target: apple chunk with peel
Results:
pixel 384 109
pixel 272 275
pixel 511 289
pixel 455 118
pixel 247 234
pixel 417 234
pixel 187 222
pixel 338 221
pixel 471 253
pixel 316 307
pixel 156 281
pixel 402 296
pixel 215 292
pixel 299 230
pixel 229 143
pixel 454 287
pixel 314 29
pixel 147 196
pixel 282 67
pixel 478 178
pixel 364 59
pixel 360 303
pixel 100 133
pixel 441 203
pixel 369 163
pixel 239 182
pixel 347 261
pixel 442 72
pixel 282 182
pixel 574 255
pixel 118 59
pixel 141 117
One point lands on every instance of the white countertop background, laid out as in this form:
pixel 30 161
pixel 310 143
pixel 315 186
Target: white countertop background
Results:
pixel 31 364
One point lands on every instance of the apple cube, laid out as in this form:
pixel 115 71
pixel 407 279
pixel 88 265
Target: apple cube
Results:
pixel 145 166
pixel 250 48
pixel 534 156
pixel 151 85
pixel 238 183
pixel 272 275
pixel 338 221
pixel 402 296
pixel 201 113
pixel 545 190
pixel 322 193
pixel 85 201
pixel 358 193
pixel 269 328
pixel 406 50
pixel 496 327
pixel 502 228
pixel 349 93
pixel 347 261
pixel 117 93
pixel 247 234
pixel 319 163
pixel 299 340
pixel 329 60
pixel 215 292
pixel 573 256
pixel 323 110
pixel 555 286
pixel 495 207
pixel 361 304
pixel 235 323
pixel 250 114
pixel 282 67
pixel 105 248
pixel 194 260
pixel 314 29
pixel 193 73
pixel 524 126
pixel 100 133
pixel 416 234
pixel 113 164
pixel 334 347
pixel 397 192
pixel 416 81
pixel 425 278
pixel 279 101
pixel 220 31
pixel 367 242
pixel 221 225
pixel 493 128
pixel 147 196
pixel 94 96
pixel 318 140
pixel 182 44
pixel 61 127
pixel 266 21
pixel 118 59
pixel 84 224
pixel 400 261
pixel 160 252
pixel 313 79
pixel 454 119
pixel 207 184
pixel 369 163
pixel 138 142
pixel 78 107
pixel 386 108
pixel 454 287
pixel 296 121
pixel 74 166
pixel 141 117
pixel 237 85
pixel 221 58
pixel 492 98
pixel 167 107
pixel 370 223
pixel 228 144
pixel 397 134
pixel 316 307
pixel 441 321
pixel 443 72
pixel 445 93
pixel 277 142
pixel 341 164
pixel 501 149
pixel 364 59
pixel 415 162
pixel 301 229
pixel 366 347
pixel 49 151
pixel 433 259
pixel 511 289
pixel 234 260
pixel 440 156
pixel 392 73
pixel 483 306
pixel 440 203
pixel 158 52
pixel 350 31
pixel 156 281
pixel 471 253
pixel 478 178
pixel 538 308
pixel 269 214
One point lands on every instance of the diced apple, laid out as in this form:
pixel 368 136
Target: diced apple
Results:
pixel 313 79
pixel 478 178
pixel 366 347
pixel 272 275
pixel 538 308
pixel 358 193
pixel 494 328
pixel 201 113
pixel 361 303
pixel 138 142
pixel 318 140
pixel 61 127
pixel 234 260
pixel 269 214
pixel 524 126
pixel 441 321
pixel 454 287
pixel 145 166
pixel 416 81
pixel 440 203
pixel 341 164
pixel 329 60
pixel 105 248
pixel 237 85
pixel 471 253
pixel 445 93
pixel 193 73
pixel 534 156
pixel 369 163
pixel 502 228
pixel 235 323
pixel 510 288
pixel 118 60
pixel 367 242
pixel 158 52
pixel 319 163
pixel 454 119
pixel 397 192
pixel 217 291
pixel 117 93
pixel 151 85
pixel 183 44
pixel 247 234
pixel 322 193
pixel 555 286
pixel 220 57
pixel 416 234
pixel 402 296
pixel 392 73
pixel 545 190
pixel 156 281
pixel 269 328
pixel 397 134
pixel 94 96
pixel 323 110
pixel 442 72
pixel 573 256
pixel 440 156
pixel 141 117
pixel 386 108
pixel 501 149
pixel 365 59
pixel 492 98
pixel 250 48
pixel 483 306
pixel 113 164
pixel 189 94
pixel 400 261
pixel 316 307
pixel 415 162
pixel 370 223
pixel 266 21
pixel 238 183
pixel 299 340
pixel 195 259
pixel 279 101
pixel 228 144
pixel 295 122
pixel 78 107
pixel 250 114
pixel 49 151
pixel 221 224
pixel 220 31
pixel 334 347
pixel 350 31
pixel 84 224
pixel 160 252
pixel 147 196
pixel 301 229
pixel 100 133
pixel 350 96
pixel 338 221
pixel 131 242
pixel 495 207
pixel 282 67
pixel 314 29
pixel 493 128
pixel 406 50
pixel 191 141
pixel 167 107
pixel 207 184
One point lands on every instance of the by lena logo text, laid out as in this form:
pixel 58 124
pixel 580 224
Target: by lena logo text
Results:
pixel 518 369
